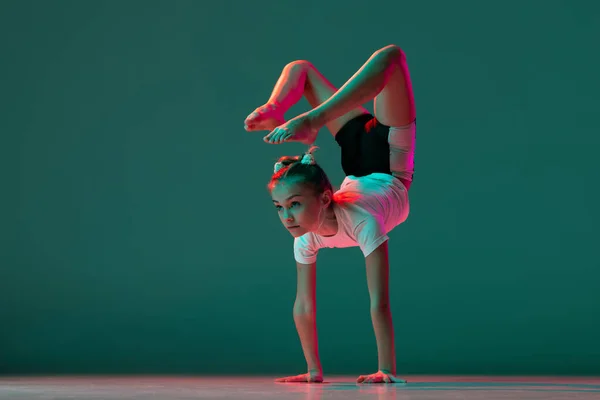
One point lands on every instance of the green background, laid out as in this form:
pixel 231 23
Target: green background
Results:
pixel 137 235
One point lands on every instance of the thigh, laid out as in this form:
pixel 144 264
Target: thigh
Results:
pixel 402 152
pixel 395 104
pixel 318 90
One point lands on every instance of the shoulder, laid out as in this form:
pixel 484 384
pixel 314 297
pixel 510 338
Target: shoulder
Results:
pixel 305 248
pixel 304 241
pixel 309 242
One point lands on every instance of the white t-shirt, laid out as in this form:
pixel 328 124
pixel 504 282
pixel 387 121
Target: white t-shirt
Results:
pixel 367 208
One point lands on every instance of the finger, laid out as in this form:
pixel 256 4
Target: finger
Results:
pixel 387 379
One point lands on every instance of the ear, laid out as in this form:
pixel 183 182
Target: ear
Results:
pixel 326 198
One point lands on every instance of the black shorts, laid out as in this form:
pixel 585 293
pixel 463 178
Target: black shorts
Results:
pixel 365 146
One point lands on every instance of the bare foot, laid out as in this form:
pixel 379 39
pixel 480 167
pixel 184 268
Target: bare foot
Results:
pixel 265 118
pixel 308 377
pixel 299 129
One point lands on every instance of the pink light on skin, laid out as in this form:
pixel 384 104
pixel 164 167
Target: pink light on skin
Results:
pixel 298 208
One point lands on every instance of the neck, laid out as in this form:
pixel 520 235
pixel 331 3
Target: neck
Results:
pixel 330 224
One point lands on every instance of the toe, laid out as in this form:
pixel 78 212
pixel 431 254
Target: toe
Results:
pixel 250 117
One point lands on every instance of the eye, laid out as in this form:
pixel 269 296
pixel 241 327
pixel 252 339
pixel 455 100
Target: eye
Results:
pixel 292 205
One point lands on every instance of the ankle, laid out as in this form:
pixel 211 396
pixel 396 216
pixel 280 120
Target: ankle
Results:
pixel 276 107
pixel 274 104
pixel 317 118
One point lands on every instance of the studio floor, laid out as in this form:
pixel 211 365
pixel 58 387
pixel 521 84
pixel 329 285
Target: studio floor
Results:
pixel 334 387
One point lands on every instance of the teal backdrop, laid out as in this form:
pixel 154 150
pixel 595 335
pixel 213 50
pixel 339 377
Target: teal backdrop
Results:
pixel 137 234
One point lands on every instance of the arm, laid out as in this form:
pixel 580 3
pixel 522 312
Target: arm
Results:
pixel 305 316
pixel 377 264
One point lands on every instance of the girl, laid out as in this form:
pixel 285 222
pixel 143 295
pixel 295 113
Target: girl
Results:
pixel 377 158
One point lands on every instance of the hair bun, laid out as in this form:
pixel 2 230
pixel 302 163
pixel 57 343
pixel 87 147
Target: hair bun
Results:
pixel 308 157
pixel 278 166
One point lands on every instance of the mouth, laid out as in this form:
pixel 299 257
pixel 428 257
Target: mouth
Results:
pixel 293 227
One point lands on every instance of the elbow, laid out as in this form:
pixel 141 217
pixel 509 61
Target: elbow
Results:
pixel 380 306
pixel 304 308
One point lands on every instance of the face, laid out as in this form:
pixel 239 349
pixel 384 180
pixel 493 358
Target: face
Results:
pixel 299 207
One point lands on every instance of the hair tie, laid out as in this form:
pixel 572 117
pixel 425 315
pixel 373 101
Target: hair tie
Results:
pixel 278 166
pixel 307 159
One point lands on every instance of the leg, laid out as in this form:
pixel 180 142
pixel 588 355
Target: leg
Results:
pixel 298 78
pixel 395 104
pixel 395 107
pixel 382 77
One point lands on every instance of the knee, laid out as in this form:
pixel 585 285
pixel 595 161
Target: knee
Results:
pixel 390 52
pixel 299 65
pixel 303 308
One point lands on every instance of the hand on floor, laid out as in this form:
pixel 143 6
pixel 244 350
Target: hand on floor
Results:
pixel 308 377
pixel 379 377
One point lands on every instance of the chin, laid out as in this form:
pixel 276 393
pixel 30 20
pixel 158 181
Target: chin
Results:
pixel 298 232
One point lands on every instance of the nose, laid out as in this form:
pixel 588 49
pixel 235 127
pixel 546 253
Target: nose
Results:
pixel 288 216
